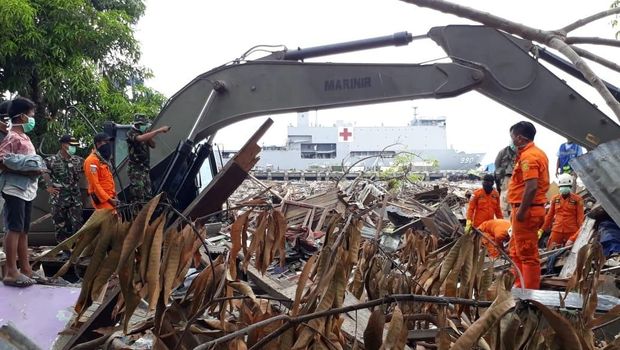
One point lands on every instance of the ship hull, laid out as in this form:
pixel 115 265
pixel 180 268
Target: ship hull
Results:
pixel 424 160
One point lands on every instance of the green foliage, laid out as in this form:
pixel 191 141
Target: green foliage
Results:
pixel 400 171
pixel 62 53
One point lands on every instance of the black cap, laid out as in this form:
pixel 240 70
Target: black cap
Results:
pixel 69 139
pixel 488 178
pixel 102 136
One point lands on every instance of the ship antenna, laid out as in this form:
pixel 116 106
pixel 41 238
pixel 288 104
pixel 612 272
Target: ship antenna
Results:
pixel 415 115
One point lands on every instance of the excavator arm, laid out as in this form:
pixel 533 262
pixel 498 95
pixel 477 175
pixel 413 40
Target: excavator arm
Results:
pixel 485 60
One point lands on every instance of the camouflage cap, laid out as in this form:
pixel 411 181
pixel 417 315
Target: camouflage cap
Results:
pixel 141 119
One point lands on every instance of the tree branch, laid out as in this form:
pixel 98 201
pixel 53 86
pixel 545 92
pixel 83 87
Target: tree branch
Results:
pixel 582 22
pixel 596 58
pixel 485 18
pixel 592 40
pixel 550 38
pixel 588 73
pixel 291 321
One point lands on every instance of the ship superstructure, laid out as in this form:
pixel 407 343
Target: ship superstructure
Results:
pixel 320 147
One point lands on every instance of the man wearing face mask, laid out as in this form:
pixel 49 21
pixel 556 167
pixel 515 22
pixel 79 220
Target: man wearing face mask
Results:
pixel 527 195
pixel 97 169
pixel 139 139
pixel 63 185
pixel 566 214
pixel 484 204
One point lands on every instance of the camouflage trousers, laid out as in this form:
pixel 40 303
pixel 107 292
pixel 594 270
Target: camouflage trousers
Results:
pixel 67 220
pixel 140 189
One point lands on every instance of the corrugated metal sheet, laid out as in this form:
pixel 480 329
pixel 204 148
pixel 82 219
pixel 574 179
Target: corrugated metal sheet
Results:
pixel 599 170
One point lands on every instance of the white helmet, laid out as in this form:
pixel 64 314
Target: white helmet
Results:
pixel 565 180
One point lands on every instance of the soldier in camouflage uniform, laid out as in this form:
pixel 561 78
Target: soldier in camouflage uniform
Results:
pixel 63 186
pixel 139 139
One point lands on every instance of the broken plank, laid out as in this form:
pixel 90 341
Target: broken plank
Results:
pixel 584 236
pixel 233 174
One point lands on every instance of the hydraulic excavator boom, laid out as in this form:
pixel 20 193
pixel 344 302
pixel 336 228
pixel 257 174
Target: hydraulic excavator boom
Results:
pixel 496 64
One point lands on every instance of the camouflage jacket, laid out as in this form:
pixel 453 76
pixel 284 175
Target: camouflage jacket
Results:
pixel 504 163
pixel 65 175
pixel 138 153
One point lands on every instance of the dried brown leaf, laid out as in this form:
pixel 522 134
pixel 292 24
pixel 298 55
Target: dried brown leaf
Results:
pixel 269 244
pixel 450 259
pixel 326 303
pixel 106 233
pixel 135 236
pixel 340 283
pixel 394 339
pixel 373 335
pixel 280 236
pixel 171 264
pixel 154 265
pixel 149 236
pixel 236 237
pixel 244 289
pixel 257 239
pixel 110 264
pixel 131 297
pixel 301 283
pixel 85 234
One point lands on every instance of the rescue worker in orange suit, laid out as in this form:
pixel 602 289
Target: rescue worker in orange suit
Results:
pixel 497 230
pixel 101 188
pixel 527 195
pixel 566 213
pixel 484 204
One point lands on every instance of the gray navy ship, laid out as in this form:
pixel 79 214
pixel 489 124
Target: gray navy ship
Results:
pixel 316 147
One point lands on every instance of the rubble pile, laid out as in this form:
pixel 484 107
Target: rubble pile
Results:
pixel 337 265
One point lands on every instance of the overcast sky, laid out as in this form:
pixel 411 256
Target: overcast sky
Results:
pixel 183 38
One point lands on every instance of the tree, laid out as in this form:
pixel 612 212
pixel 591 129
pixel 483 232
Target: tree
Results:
pixel 557 39
pixel 82 53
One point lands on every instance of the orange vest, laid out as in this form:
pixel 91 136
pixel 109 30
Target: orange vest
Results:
pixel 483 207
pixel 100 180
pixel 567 215
pixel 531 163
pixel 498 231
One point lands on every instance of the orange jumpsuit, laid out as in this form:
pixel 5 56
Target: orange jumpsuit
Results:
pixel 100 180
pixel 484 207
pixel 567 215
pixel 498 231
pixel 531 163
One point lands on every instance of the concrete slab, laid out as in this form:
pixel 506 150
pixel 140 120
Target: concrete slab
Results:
pixel 39 312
